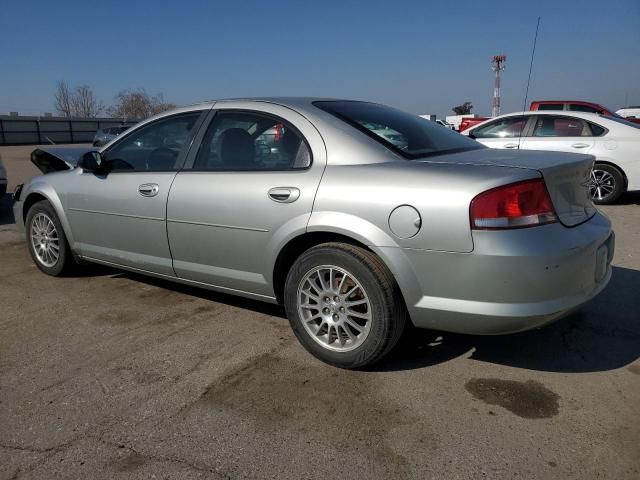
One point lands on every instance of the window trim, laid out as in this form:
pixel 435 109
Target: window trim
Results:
pixel 387 144
pixel 209 121
pixel 182 155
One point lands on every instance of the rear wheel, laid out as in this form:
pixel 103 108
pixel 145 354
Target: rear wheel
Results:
pixel 344 305
pixel 606 184
pixel 46 240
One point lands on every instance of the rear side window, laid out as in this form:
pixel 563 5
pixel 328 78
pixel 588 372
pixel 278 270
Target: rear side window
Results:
pixel 237 141
pixel 550 106
pixel 582 108
pixel 557 126
pixel 408 135
pixel 504 128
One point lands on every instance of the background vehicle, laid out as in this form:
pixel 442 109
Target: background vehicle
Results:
pixel 3 179
pixel 444 124
pixel 614 142
pixel 629 113
pixel 467 123
pixel 352 225
pixel 105 135
pixel 575 106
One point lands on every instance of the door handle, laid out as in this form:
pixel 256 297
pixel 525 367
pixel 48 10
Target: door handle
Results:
pixel 284 194
pixel 510 145
pixel 580 145
pixel 149 189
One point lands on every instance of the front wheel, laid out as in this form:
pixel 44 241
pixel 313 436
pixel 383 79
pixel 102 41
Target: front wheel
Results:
pixel 46 240
pixel 344 305
pixel 606 184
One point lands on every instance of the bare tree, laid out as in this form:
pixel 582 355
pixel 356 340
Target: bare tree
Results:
pixel 463 109
pixel 137 104
pixel 64 99
pixel 85 102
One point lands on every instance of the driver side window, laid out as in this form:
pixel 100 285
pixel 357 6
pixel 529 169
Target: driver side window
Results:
pixel 154 147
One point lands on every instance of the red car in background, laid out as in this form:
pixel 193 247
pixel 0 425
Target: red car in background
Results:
pixel 467 123
pixel 577 106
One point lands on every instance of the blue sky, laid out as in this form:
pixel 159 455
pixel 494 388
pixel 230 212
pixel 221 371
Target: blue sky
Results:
pixel 422 56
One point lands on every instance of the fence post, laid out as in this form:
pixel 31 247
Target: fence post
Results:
pixel 71 131
pixel 38 130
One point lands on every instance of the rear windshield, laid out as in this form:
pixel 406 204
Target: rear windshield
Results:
pixel 409 135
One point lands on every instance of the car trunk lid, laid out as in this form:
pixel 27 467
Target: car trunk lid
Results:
pixel 565 174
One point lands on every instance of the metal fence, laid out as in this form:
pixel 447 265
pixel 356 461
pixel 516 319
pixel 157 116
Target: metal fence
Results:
pixel 42 130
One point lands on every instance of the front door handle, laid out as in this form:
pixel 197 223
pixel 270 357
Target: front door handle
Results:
pixel 580 145
pixel 284 194
pixel 149 189
pixel 510 145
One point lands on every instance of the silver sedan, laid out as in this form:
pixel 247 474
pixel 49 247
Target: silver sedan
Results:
pixel 359 218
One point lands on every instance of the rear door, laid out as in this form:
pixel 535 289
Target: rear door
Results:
pixel 243 194
pixel 502 132
pixel 560 133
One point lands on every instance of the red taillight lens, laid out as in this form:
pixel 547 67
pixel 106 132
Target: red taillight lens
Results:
pixel 522 204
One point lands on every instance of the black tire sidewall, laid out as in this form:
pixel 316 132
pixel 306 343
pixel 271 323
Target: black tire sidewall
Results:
pixel 64 254
pixel 378 338
pixel 619 183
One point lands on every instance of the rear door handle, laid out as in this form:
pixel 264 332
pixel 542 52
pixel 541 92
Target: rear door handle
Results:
pixel 580 145
pixel 284 194
pixel 149 189
pixel 510 145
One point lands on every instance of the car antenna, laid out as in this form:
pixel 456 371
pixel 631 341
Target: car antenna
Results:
pixel 526 93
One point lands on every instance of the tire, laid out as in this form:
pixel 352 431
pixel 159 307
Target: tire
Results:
pixel 44 232
pixel 365 316
pixel 607 184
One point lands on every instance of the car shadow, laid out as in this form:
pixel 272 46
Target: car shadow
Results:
pixel 6 213
pixel 629 198
pixel 603 335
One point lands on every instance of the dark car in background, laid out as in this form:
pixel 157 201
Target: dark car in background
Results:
pixel 105 135
pixel 3 179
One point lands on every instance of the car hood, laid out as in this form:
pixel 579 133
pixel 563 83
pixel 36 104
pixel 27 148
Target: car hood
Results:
pixel 54 159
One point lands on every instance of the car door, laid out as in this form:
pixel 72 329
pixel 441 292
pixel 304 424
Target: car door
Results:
pixel 560 133
pixel 503 132
pixel 244 192
pixel 120 217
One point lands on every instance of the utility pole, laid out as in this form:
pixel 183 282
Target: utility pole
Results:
pixel 497 65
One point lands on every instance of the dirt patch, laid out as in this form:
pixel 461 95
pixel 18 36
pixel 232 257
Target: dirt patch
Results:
pixel 117 317
pixel 634 369
pixel 528 399
pixel 131 462
pixel 278 395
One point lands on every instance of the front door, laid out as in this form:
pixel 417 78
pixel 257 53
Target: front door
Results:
pixel 120 217
pixel 247 190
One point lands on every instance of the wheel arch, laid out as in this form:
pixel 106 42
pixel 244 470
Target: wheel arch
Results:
pixel 38 193
pixel 617 167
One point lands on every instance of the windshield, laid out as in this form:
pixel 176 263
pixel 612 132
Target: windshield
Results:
pixel 409 135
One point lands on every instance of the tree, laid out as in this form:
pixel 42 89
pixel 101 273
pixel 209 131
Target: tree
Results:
pixel 137 104
pixel 464 109
pixel 85 102
pixel 64 99
pixel 79 102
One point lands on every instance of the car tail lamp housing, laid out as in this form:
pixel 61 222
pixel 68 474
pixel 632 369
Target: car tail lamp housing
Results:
pixel 517 205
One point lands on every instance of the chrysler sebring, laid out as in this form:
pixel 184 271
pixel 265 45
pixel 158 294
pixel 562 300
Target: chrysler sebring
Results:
pixel 358 217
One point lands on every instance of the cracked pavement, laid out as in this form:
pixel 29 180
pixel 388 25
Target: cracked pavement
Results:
pixel 114 375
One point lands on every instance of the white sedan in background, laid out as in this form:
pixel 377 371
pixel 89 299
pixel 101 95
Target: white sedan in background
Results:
pixel 614 142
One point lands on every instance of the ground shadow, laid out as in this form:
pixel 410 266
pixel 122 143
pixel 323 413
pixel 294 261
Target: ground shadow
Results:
pixel 629 198
pixel 603 335
pixel 6 213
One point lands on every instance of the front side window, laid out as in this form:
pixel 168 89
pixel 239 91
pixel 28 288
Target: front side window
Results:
pixel 504 128
pixel 154 147
pixel 408 135
pixel 251 141
pixel 556 126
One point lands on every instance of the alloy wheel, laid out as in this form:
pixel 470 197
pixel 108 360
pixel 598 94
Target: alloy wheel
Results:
pixel 601 184
pixel 334 308
pixel 44 239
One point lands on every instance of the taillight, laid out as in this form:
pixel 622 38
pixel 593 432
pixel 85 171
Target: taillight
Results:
pixel 517 205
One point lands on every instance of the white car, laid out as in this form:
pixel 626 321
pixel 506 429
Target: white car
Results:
pixel 629 112
pixel 614 142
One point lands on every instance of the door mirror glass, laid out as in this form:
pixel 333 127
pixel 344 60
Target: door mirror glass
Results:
pixel 93 162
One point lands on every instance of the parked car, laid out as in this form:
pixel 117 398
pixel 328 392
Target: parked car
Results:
pixel 444 124
pixel 354 232
pixel 104 136
pixel 630 113
pixel 3 179
pixel 575 106
pixel 467 123
pixel 614 142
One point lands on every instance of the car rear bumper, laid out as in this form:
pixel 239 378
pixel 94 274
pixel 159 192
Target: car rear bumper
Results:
pixel 512 281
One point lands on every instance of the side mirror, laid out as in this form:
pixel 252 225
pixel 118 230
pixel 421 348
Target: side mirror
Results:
pixel 93 162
